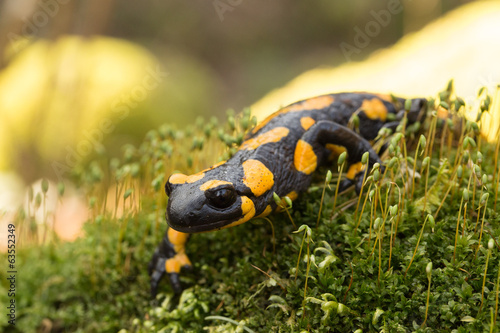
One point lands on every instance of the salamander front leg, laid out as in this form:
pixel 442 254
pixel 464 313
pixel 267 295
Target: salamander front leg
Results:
pixel 311 147
pixel 169 257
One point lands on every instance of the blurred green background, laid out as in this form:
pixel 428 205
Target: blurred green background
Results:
pixel 76 74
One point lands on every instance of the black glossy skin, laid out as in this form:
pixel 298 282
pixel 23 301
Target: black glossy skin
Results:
pixel 189 209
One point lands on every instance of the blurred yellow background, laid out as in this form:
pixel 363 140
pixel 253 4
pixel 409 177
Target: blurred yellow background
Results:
pixel 82 78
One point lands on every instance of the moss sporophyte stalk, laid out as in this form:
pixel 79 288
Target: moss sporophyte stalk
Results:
pixel 366 270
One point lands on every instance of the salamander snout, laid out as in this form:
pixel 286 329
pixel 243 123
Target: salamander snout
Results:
pixel 203 206
pixel 183 210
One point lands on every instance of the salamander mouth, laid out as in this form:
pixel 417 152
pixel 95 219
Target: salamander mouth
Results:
pixel 199 228
pixel 201 221
pixel 190 216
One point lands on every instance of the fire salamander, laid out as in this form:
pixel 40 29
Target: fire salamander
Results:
pixel 279 155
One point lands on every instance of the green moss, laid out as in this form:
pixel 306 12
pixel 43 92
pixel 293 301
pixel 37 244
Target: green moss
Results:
pixel 356 264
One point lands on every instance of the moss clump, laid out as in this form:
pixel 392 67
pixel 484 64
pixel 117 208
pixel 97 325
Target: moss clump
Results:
pixel 360 269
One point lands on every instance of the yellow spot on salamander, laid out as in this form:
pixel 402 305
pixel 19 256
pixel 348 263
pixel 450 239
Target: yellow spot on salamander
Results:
pixel 335 149
pixel 304 158
pixel 178 239
pixel 212 184
pixel 179 178
pixel 354 169
pixel 214 166
pixel 306 122
pixel 385 97
pixel 266 212
pixel 374 109
pixel 274 135
pixel 257 177
pixel 173 265
pixel 315 103
pixel 247 210
pixel 442 113
pixel 292 195
pixel 183 259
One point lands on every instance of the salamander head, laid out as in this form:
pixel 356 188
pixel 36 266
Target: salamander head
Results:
pixel 207 201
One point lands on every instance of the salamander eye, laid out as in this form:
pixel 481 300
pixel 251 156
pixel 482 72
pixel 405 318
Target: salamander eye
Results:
pixel 221 196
